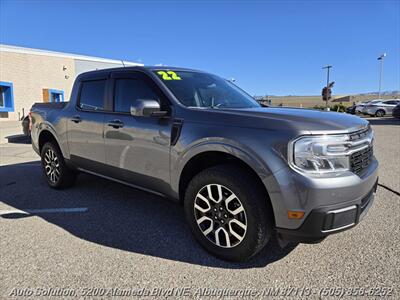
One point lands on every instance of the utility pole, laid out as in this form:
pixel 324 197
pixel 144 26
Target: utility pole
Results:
pixel 381 58
pixel 327 82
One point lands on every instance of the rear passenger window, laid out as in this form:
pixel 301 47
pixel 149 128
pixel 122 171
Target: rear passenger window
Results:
pixel 92 95
pixel 391 102
pixel 127 91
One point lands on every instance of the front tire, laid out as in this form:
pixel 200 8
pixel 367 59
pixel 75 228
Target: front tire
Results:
pixel 228 212
pixel 379 113
pixel 58 175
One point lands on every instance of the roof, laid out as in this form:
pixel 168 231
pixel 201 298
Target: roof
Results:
pixel 17 49
pixel 141 67
pixel 155 68
pixel 145 69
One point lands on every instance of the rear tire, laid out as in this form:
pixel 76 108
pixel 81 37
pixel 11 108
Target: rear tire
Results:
pixel 243 211
pixel 58 175
pixel 379 113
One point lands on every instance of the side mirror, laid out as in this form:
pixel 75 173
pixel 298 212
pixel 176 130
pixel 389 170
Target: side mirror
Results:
pixel 147 108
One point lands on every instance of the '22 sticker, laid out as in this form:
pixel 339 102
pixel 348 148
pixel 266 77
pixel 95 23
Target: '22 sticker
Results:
pixel 169 75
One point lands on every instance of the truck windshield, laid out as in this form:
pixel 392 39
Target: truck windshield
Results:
pixel 196 89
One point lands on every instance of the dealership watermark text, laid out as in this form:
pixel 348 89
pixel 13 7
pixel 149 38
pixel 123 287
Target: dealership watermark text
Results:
pixel 201 293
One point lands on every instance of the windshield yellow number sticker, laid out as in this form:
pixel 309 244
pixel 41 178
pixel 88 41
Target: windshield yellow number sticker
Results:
pixel 169 75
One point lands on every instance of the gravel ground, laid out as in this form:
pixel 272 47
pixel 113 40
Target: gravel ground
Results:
pixel 128 239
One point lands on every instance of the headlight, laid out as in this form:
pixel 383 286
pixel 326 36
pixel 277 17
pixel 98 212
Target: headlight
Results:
pixel 327 154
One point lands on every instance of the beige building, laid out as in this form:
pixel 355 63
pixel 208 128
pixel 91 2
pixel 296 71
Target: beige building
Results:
pixel 32 75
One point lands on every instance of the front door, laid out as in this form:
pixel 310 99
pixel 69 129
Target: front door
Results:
pixel 137 148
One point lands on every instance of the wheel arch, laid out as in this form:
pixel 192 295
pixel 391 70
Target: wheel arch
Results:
pixel 201 160
pixel 47 135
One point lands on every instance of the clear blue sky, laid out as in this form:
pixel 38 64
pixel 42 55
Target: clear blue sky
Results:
pixel 269 47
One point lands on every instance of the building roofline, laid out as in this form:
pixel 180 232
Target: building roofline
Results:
pixel 17 49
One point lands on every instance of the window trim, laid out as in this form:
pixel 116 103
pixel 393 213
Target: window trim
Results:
pixel 60 92
pixel 105 96
pixel 135 75
pixel 8 107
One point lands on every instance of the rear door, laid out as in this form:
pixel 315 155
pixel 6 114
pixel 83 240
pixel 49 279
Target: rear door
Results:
pixel 137 148
pixel 390 105
pixel 86 125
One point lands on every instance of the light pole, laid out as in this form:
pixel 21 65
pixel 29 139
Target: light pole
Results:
pixel 327 81
pixel 381 58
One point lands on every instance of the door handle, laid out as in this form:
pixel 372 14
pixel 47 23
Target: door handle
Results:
pixel 116 124
pixel 76 119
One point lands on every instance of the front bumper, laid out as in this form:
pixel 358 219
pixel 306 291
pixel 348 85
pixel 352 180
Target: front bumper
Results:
pixel 363 109
pixel 358 110
pixel 326 220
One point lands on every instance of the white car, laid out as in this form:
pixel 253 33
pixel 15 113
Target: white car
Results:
pixel 360 106
pixel 381 108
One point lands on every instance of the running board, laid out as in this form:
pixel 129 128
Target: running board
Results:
pixel 123 182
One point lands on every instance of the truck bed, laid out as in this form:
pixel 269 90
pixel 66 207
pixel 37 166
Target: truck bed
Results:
pixel 43 111
pixel 51 105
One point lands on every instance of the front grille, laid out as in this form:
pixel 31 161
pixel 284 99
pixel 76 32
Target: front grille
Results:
pixel 360 160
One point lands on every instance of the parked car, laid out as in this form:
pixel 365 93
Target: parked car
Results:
pixel 240 170
pixel 380 109
pixel 361 106
pixel 396 111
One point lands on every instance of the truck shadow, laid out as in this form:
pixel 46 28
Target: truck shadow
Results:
pixel 118 217
pixel 384 121
pixel 18 139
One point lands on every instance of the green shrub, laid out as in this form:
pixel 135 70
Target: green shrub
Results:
pixel 338 108
pixel 335 108
pixel 320 107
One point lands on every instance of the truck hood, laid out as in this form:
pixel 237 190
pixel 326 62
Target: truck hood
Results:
pixel 301 120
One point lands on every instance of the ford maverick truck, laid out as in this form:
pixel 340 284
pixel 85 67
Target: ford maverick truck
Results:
pixel 241 171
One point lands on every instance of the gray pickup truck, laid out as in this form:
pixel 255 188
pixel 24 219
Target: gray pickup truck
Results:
pixel 241 171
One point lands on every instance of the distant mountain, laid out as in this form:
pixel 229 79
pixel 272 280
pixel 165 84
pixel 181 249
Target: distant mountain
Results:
pixel 316 100
pixel 386 93
pixel 382 93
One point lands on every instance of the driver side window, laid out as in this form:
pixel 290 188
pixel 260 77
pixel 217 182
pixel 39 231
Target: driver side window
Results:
pixel 128 90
